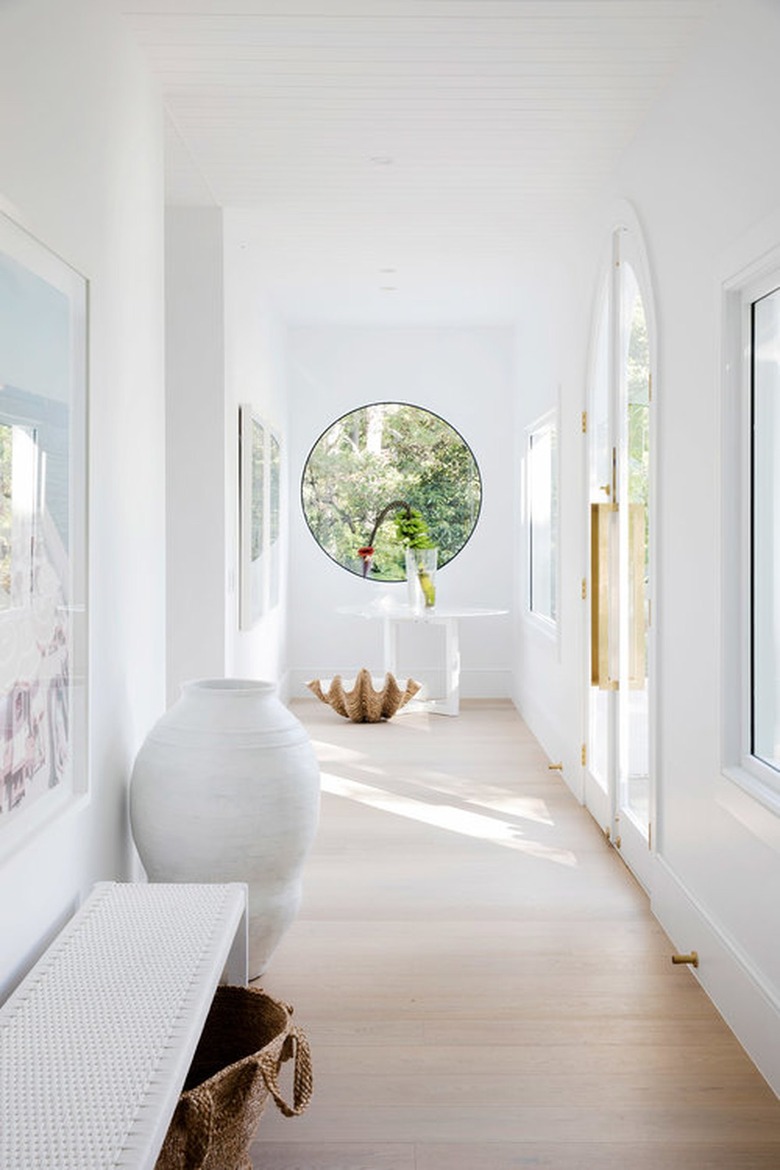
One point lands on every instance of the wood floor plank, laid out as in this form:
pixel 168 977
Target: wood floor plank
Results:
pixel 459 1121
pixel 481 979
pixel 592 1156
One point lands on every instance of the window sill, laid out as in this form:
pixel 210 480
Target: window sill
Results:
pixel 545 628
pixel 752 802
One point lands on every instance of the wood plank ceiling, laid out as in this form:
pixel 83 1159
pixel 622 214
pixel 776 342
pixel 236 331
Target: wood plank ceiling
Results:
pixel 395 137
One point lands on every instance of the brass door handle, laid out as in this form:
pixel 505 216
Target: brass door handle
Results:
pixel 599 599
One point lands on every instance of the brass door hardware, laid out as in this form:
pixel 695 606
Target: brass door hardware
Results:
pixel 555 767
pixel 600 516
pixel 692 959
pixel 602 532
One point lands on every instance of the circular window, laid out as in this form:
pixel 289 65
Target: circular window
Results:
pixel 380 462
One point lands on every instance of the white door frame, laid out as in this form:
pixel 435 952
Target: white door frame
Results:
pixel 625 244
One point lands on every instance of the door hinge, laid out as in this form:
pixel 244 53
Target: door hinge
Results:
pixel 584 422
pixel 584 589
pixel 584 754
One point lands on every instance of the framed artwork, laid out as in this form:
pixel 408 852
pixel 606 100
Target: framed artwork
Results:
pixel 275 504
pixel 43 534
pixel 252 507
pixel 260 493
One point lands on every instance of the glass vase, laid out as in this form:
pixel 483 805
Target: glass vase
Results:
pixel 421 577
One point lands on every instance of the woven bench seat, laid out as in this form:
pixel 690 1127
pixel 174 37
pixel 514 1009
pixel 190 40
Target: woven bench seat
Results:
pixel 96 1041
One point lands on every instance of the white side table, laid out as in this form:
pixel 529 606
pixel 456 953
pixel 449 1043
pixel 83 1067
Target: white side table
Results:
pixel 393 616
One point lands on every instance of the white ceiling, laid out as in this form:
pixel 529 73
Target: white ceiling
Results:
pixel 405 159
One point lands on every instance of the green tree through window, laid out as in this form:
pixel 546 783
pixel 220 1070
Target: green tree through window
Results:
pixel 379 453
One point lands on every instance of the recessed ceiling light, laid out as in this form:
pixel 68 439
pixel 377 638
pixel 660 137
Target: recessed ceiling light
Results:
pixel 381 160
pixel 388 288
pixel 388 270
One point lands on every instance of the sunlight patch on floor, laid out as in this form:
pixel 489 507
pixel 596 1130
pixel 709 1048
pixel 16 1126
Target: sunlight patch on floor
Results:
pixel 469 791
pixel 328 752
pixel 446 816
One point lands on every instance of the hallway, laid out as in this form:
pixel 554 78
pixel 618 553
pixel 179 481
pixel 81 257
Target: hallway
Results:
pixel 481 979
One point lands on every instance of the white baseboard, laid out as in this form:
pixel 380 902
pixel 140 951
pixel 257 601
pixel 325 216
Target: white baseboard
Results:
pixel 487 683
pixel 555 744
pixel 748 1002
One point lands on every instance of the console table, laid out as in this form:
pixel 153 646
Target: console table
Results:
pixel 96 1041
pixel 393 617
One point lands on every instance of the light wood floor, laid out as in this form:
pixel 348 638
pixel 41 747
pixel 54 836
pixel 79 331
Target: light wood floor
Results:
pixel 481 979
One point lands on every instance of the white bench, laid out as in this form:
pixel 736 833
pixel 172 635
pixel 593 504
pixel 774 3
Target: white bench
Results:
pixel 96 1041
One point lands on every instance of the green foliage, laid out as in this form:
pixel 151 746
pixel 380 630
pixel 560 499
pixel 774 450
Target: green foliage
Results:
pixel 411 529
pixel 638 378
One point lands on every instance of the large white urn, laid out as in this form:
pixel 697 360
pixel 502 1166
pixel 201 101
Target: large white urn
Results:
pixel 226 787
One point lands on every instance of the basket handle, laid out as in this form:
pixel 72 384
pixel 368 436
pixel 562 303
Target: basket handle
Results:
pixel 296 1044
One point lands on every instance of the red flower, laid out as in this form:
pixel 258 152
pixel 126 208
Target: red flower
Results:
pixel 366 552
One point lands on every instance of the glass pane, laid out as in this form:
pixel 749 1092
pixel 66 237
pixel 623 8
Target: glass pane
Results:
pixel 600 445
pixel 600 477
pixel 18 513
pixel 543 520
pixel 374 457
pixel 766 529
pixel 258 489
pixel 635 767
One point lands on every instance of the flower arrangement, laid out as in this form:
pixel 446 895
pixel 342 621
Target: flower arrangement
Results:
pixel 412 533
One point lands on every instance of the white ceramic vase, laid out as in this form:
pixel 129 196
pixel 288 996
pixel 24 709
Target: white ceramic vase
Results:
pixel 226 787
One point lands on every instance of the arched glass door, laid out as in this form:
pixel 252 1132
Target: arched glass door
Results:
pixel 618 774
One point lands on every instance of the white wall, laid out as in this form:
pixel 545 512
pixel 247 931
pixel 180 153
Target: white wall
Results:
pixel 225 349
pixel 466 376
pixel 704 178
pixel 551 340
pixel 81 168
pixel 255 374
pixel 715 132
pixel 195 473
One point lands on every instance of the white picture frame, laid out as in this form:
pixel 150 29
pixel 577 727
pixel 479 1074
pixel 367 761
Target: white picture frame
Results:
pixel 253 526
pixel 44 758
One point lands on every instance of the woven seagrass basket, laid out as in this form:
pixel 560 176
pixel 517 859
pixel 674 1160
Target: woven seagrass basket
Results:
pixel 246 1038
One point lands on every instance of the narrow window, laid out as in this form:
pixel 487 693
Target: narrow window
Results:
pixel 542 494
pixel 765 529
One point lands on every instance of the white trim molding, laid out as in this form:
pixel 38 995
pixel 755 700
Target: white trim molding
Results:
pixel 746 282
pixel 748 1001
